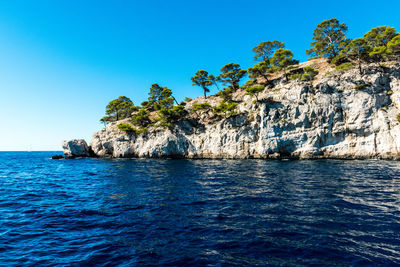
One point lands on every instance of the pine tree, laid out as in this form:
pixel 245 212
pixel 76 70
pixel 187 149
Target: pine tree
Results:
pixel 203 80
pixel 329 39
pixel 380 36
pixel 266 49
pixel 118 109
pixel 357 50
pixel 261 69
pixel 393 47
pixel 254 90
pixel 377 40
pixel 282 60
pixel 231 74
pixel 160 97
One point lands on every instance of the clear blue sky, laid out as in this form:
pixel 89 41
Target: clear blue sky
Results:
pixel 61 62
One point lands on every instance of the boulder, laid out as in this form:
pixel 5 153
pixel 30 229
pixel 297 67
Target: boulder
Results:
pixel 57 157
pixel 75 148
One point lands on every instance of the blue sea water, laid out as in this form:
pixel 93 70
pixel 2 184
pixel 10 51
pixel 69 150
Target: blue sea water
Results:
pixel 143 212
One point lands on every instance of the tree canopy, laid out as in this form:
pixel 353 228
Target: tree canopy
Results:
pixel 377 40
pixel 266 49
pixel 160 97
pixel 309 73
pixel 155 93
pixel 357 50
pixel 254 90
pixel 282 59
pixel 262 69
pixel 393 47
pixel 167 100
pixel 203 80
pixel 141 118
pixel 231 74
pixel 380 36
pixel 377 45
pixel 118 109
pixel 329 39
pixel 172 114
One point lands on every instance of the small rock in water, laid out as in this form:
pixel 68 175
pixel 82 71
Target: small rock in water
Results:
pixel 75 148
pixel 57 157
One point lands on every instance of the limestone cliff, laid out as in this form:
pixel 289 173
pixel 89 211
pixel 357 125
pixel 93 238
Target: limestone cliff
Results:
pixel 342 114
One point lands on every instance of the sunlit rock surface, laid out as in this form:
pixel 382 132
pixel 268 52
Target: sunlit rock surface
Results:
pixel 327 119
pixel 76 148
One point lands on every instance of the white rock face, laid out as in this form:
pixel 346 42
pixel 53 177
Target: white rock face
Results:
pixel 75 148
pixel 330 119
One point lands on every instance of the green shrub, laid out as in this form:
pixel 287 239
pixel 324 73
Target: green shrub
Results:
pixel 249 83
pixel 384 107
pixel 378 53
pixel 398 117
pixel 339 59
pixel 187 99
pixel 309 73
pixel 345 66
pixel 226 94
pixel 204 105
pixel 361 86
pixel 295 76
pixel 329 73
pixel 225 109
pixel 165 124
pixel 125 127
pixel 141 118
pixel 254 90
pixel 149 106
pixel 141 130
pixel 169 115
pixel 390 92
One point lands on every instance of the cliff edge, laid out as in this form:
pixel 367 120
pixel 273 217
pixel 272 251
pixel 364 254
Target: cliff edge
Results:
pixel 341 114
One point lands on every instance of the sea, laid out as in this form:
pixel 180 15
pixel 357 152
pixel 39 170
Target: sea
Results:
pixel 166 212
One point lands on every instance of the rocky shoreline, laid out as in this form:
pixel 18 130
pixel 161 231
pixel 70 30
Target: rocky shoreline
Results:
pixel 341 115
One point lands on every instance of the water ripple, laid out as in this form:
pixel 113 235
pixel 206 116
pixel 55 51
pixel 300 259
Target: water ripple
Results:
pixel 143 212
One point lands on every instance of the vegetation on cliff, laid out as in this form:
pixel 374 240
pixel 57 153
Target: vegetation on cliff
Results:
pixel 275 63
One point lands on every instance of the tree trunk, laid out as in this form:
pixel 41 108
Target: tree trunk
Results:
pixel 266 77
pixel 334 53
